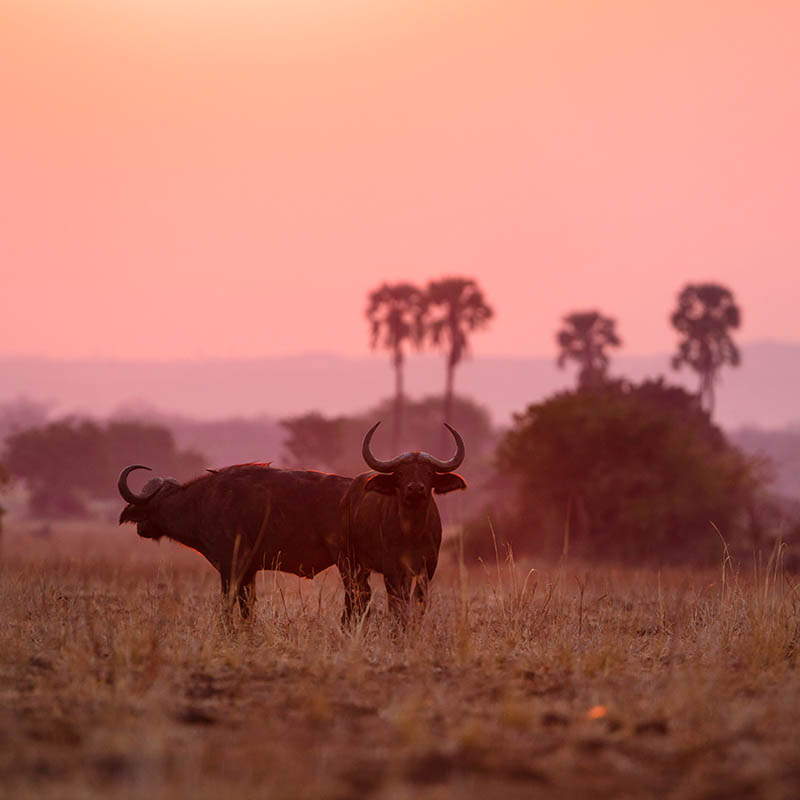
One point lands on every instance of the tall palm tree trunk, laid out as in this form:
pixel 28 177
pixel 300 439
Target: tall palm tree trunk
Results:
pixel 448 400
pixel 707 391
pixel 448 392
pixel 452 360
pixel 397 430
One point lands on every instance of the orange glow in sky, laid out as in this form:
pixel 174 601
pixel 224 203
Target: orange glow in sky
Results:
pixel 231 178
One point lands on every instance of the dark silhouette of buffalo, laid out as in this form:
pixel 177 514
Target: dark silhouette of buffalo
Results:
pixel 391 524
pixel 243 519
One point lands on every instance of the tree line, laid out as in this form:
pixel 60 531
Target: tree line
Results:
pixel 447 311
pixel 68 461
pixel 627 470
pixel 611 469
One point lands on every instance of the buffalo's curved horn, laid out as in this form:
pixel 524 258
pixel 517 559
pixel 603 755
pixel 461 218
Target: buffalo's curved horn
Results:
pixel 130 497
pixel 455 461
pixel 376 463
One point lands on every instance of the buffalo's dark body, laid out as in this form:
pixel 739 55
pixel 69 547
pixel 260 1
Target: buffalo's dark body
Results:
pixel 251 517
pixel 384 534
pixel 391 525
pixel 247 518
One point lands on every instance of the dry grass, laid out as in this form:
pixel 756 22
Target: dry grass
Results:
pixel 119 674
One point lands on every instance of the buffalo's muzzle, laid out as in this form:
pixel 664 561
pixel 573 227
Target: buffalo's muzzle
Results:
pixel 147 530
pixel 414 492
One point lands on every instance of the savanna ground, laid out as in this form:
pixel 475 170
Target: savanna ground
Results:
pixel 119 675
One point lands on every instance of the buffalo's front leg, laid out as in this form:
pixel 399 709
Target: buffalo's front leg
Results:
pixel 245 592
pixel 398 589
pixel 357 592
pixel 423 585
pixel 422 591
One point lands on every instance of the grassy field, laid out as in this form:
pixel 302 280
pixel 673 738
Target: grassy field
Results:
pixel 119 674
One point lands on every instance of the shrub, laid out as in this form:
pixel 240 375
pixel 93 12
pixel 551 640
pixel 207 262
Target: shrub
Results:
pixel 624 471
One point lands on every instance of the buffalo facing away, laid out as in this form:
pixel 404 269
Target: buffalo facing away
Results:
pixel 391 524
pixel 243 519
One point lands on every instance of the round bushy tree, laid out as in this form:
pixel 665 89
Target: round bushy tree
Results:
pixel 69 461
pixel 334 443
pixel 623 471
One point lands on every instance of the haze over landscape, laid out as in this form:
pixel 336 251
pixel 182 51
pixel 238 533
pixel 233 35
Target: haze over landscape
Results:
pixel 762 392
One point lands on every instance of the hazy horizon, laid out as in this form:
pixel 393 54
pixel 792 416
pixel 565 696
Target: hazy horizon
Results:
pixel 761 392
pixel 377 354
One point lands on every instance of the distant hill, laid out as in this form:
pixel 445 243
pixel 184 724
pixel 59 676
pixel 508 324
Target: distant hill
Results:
pixel 763 392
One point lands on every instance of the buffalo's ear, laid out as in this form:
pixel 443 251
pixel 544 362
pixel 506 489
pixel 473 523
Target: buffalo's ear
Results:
pixel 449 482
pixel 383 484
pixel 125 516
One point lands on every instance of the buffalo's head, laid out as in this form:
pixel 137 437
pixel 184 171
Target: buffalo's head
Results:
pixel 140 506
pixel 411 477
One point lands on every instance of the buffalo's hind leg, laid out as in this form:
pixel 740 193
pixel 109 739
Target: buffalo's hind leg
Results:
pixel 225 584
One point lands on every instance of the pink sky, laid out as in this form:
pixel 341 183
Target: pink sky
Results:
pixel 230 178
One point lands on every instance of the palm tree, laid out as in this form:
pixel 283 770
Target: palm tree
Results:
pixel 706 313
pixel 463 309
pixel 395 313
pixel 584 338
